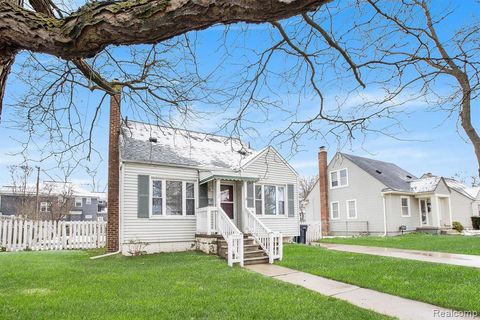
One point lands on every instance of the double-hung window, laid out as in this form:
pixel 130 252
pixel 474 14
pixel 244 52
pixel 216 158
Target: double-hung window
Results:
pixel 270 197
pixel 189 198
pixel 44 207
pixel 270 200
pixel 258 199
pixel 157 197
pixel 78 202
pixel 335 210
pixel 172 198
pixel 338 178
pixel 352 209
pixel 405 203
pixel 88 201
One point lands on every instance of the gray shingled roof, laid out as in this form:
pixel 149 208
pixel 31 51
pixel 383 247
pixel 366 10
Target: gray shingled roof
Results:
pixel 388 173
pixel 181 147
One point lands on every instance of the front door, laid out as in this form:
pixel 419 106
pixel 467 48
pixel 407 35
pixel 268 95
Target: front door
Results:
pixel 424 211
pixel 227 199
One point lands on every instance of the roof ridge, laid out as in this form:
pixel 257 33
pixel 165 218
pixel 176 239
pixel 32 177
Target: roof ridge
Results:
pixel 125 122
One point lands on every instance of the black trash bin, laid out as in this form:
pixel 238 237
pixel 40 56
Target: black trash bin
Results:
pixel 303 234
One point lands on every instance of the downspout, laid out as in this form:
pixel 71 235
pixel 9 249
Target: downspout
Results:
pixel 120 220
pixel 384 216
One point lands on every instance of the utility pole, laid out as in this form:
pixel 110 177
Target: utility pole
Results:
pixel 36 195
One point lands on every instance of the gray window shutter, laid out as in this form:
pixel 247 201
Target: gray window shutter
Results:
pixel 143 196
pixel 250 200
pixel 203 195
pixel 291 199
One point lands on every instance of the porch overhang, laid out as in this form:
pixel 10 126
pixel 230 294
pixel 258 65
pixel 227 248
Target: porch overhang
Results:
pixel 206 176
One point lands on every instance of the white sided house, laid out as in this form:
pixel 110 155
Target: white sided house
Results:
pixel 366 196
pixel 183 190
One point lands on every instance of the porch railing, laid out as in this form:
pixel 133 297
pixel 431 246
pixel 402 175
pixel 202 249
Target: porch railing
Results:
pixel 215 220
pixel 271 242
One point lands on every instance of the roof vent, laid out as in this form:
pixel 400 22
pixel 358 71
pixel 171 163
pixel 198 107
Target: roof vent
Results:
pixel 409 177
pixel 378 171
pixel 152 139
pixel 243 152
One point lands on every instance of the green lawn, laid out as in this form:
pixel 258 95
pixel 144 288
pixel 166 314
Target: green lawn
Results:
pixel 189 285
pixel 418 241
pixel 439 284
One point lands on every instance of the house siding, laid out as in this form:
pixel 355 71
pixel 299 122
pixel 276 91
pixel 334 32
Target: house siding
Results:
pixel 362 187
pixel 159 229
pixel 272 169
pixel 393 207
pixel 461 208
pixel 312 209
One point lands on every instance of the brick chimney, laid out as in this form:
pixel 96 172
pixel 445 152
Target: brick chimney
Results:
pixel 323 184
pixel 113 174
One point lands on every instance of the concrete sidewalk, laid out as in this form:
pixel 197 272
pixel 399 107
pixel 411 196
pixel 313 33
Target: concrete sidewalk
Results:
pixel 365 298
pixel 463 260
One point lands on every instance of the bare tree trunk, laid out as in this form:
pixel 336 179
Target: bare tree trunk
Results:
pixel 466 118
pixel 113 174
pixel 7 58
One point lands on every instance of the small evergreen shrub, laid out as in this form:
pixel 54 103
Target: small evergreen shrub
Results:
pixel 476 223
pixel 457 226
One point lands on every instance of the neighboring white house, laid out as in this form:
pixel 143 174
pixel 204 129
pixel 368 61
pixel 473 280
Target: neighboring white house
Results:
pixel 177 186
pixel 375 197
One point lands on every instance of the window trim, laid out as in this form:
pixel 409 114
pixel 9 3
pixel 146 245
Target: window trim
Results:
pixel 88 200
pixel 331 210
pixel 408 207
pixel 337 173
pixel 44 204
pixel 164 199
pixel 348 209
pixel 81 202
pixel 285 200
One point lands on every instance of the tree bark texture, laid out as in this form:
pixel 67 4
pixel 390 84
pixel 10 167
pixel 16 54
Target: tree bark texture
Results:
pixel 97 25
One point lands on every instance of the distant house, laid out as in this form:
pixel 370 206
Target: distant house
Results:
pixel 82 204
pixel 179 187
pixel 360 195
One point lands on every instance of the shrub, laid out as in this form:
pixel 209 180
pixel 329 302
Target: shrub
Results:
pixel 457 226
pixel 137 248
pixel 476 223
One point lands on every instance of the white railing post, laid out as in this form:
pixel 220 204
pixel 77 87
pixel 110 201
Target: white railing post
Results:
pixel 271 248
pixel 209 223
pixel 280 247
pixel 240 250
pixel 230 251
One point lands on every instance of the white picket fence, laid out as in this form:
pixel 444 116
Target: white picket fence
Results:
pixel 18 235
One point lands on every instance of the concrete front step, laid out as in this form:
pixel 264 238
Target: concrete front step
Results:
pixel 255 260
pixel 252 252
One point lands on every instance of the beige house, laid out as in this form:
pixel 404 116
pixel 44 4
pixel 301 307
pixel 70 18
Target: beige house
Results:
pixel 366 196
pixel 185 190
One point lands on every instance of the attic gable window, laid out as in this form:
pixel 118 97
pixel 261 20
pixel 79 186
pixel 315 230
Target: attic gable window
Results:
pixel 338 178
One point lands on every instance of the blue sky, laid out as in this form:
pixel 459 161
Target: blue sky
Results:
pixel 431 141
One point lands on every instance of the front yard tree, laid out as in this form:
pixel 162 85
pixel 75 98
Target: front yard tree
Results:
pixel 332 53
